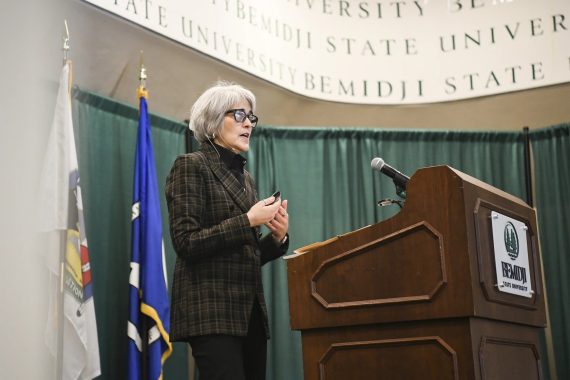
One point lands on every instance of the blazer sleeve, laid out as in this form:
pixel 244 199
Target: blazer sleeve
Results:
pixel 270 249
pixel 194 235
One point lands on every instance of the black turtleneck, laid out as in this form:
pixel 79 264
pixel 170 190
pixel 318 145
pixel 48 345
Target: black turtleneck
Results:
pixel 234 162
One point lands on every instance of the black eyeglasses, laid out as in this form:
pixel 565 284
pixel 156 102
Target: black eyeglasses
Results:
pixel 240 115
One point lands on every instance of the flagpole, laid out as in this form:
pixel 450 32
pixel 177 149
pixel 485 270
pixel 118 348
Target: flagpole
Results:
pixel 149 309
pixel 60 306
pixel 142 92
pixel 62 249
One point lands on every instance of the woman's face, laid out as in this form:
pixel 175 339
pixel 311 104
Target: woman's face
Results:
pixel 235 135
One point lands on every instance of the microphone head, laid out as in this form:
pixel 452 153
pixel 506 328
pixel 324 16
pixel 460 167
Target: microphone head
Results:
pixel 377 163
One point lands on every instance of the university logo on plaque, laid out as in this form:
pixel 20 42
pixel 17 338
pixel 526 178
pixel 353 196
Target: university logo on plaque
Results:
pixel 511 255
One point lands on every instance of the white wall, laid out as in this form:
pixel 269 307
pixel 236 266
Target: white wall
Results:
pixel 28 65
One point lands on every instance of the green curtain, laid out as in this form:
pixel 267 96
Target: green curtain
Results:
pixel 551 150
pixel 325 174
pixel 106 140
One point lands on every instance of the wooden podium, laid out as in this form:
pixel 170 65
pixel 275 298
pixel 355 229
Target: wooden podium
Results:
pixel 416 296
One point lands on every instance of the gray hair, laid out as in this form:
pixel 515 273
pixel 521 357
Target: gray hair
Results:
pixel 207 114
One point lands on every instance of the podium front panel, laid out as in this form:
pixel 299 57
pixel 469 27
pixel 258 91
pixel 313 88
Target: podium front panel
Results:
pixel 459 348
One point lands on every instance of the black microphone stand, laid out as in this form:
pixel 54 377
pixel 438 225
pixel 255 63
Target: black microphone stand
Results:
pixel 400 190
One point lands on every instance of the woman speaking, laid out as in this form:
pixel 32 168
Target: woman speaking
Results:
pixel 218 305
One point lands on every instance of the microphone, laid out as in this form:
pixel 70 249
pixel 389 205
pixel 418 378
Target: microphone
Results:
pixel 400 180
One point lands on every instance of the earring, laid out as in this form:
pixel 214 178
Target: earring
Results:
pixel 213 135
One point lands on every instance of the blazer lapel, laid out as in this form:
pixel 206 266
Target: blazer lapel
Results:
pixel 228 180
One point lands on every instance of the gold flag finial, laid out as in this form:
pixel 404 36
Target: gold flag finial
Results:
pixel 142 92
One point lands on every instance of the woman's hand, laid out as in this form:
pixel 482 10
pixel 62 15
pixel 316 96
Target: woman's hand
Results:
pixel 263 211
pixel 279 225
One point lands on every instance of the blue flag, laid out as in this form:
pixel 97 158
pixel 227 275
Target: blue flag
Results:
pixel 148 295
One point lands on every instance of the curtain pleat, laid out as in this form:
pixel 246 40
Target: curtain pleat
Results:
pixel 551 151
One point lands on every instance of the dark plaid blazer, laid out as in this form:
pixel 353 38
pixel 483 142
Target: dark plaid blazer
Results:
pixel 217 274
